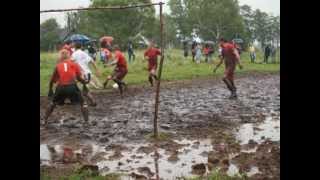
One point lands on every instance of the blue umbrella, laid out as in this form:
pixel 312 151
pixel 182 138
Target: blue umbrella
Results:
pixel 78 38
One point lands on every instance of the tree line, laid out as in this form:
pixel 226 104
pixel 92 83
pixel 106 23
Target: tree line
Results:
pixel 188 19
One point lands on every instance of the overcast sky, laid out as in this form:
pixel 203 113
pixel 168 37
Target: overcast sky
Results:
pixel 269 6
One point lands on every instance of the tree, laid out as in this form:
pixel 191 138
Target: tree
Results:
pixel 121 24
pixel 247 15
pixel 261 25
pixel 179 17
pixel 49 34
pixel 209 19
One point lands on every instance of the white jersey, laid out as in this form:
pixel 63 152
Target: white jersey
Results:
pixel 220 51
pixel 83 59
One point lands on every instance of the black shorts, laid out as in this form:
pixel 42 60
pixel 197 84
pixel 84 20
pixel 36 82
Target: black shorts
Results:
pixel 88 77
pixel 70 92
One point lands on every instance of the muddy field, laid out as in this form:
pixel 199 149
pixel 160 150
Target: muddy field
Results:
pixel 201 130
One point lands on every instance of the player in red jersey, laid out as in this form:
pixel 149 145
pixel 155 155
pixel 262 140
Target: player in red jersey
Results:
pixel 67 46
pixel 231 58
pixel 152 54
pixel 65 75
pixel 120 70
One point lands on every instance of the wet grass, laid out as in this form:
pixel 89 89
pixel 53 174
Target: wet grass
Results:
pixel 176 67
pixel 76 175
pixel 162 137
pixel 218 175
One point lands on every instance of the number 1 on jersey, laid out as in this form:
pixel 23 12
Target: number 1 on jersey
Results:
pixel 65 67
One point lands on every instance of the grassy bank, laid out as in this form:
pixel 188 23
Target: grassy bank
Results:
pixel 176 67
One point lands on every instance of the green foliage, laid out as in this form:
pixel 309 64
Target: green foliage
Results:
pixel 121 24
pixel 211 19
pixel 49 34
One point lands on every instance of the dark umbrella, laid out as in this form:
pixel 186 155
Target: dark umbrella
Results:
pixel 92 41
pixel 78 38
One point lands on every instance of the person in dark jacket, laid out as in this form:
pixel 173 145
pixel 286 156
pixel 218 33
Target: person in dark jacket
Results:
pixel 130 51
pixel 267 52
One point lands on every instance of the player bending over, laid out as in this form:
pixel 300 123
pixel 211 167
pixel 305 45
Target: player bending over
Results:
pixel 65 75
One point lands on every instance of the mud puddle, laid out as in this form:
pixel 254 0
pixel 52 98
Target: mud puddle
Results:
pixel 143 159
pixel 268 129
pixel 200 111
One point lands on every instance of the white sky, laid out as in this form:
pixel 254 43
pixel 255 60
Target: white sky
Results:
pixel 269 6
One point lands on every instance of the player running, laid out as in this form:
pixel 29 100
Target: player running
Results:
pixel 231 58
pixel 83 59
pixel 152 54
pixel 120 70
pixel 65 75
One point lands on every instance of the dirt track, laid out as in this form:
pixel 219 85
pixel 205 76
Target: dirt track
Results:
pixel 193 110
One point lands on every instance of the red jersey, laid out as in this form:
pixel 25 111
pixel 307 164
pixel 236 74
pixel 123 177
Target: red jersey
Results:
pixel 66 72
pixel 122 63
pixel 107 53
pixel 152 53
pixel 228 52
pixel 206 51
pixel 68 47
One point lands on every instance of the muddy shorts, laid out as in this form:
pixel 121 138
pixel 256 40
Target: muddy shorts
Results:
pixel 87 77
pixel 70 92
pixel 119 73
pixel 229 72
pixel 152 65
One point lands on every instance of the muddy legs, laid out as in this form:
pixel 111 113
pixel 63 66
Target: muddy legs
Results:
pixel 121 86
pixel 232 88
pixel 85 112
pixel 48 112
pixel 152 78
pixel 105 84
pixel 89 96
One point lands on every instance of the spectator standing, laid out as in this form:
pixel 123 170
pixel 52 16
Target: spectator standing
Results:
pixel 267 52
pixel 252 52
pixel 130 51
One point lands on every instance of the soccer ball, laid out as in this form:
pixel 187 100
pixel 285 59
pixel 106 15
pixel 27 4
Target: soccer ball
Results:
pixel 115 86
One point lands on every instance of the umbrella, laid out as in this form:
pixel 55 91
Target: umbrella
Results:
pixel 108 39
pixel 92 41
pixel 78 38
pixel 238 40
pixel 209 42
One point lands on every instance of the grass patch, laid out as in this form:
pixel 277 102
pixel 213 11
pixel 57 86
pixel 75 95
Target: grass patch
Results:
pixel 162 136
pixel 176 67
pixel 218 175
pixel 76 175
